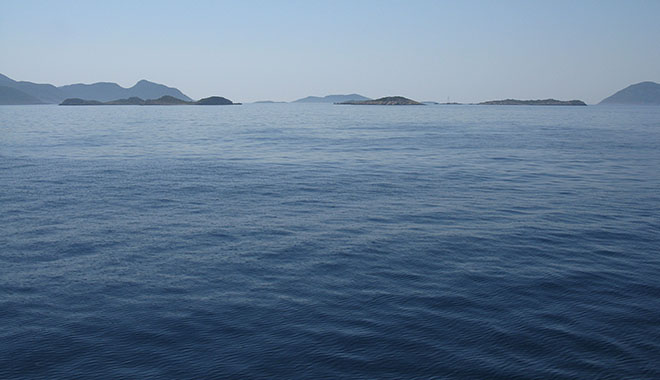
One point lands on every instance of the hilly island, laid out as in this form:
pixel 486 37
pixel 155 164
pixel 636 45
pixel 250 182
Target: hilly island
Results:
pixel 331 98
pixel 643 93
pixel 162 101
pixel 386 101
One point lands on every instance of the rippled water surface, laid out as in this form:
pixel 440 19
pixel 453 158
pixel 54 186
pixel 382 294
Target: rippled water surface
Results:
pixel 320 241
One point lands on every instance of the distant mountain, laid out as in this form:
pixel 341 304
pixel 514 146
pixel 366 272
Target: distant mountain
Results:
pixel 386 101
pixel 13 96
pixel 331 98
pixel 149 90
pixel 641 93
pixel 105 91
pixel 46 93
pixel 102 91
pixel 543 102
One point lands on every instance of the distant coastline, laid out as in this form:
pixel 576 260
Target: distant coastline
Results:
pixel 14 92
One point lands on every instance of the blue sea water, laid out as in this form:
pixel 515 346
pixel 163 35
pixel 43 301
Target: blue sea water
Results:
pixel 317 241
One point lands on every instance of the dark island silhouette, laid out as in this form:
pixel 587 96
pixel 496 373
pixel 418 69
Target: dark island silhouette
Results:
pixel 132 101
pixel 543 102
pixel 215 101
pixel 643 93
pixel 386 101
pixel 162 101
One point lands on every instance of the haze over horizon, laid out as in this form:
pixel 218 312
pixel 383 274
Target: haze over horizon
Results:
pixel 426 50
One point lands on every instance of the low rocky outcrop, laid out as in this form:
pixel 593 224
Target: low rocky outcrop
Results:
pixel 543 102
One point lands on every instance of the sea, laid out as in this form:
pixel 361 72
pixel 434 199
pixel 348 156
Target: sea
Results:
pixel 316 241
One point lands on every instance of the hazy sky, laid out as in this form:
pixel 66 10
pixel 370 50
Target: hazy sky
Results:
pixel 282 50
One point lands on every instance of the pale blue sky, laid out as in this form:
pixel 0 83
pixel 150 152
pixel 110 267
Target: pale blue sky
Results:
pixel 282 50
